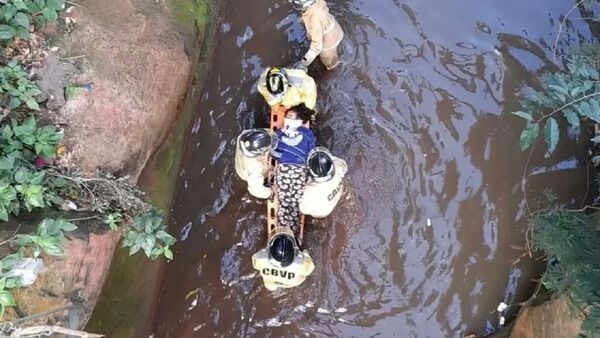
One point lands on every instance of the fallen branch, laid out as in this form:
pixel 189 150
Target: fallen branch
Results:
pixel 560 27
pixel 36 331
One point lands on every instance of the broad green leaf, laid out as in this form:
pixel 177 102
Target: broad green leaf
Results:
pixel 528 136
pixel 522 114
pixel 571 117
pixel 14 102
pixel 22 20
pixel 12 283
pixel 134 248
pixel 68 226
pixel 54 4
pixel 45 150
pixel 7 133
pixel 168 253
pixel 49 14
pixel 23 240
pixel 37 178
pixel 40 3
pixel 1 310
pixel 20 5
pixel 51 226
pixel 6 298
pixel 7 162
pixel 37 250
pixel 22 175
pixel 32 104
pixel 551 134
pixel 54 250
pixel 7 32
pixel 2 283
pixel 34 196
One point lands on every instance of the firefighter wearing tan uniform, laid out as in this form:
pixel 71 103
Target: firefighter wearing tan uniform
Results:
pixel 325 186
pixel 281 264
pixel 323 31
pixel 251 154
pixel 284 88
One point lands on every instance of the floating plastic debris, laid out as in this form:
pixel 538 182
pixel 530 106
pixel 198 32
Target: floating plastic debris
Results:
pixel 324 311
pixel 341 310
pixel 501 307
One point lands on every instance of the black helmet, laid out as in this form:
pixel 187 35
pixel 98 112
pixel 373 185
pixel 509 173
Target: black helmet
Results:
pixel 320 164
pixel 282 249
pixel 301 4
pixel 277 81
pixel 255 142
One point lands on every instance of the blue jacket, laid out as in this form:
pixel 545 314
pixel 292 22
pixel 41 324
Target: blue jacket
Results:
pixel 293 147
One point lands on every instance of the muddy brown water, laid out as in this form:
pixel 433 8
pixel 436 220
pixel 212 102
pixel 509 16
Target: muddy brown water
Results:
pixel 419 110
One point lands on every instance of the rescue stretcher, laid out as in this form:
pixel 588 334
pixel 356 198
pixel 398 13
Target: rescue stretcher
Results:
pixel 276 122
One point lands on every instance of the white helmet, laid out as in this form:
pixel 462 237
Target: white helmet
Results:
pixel 301 5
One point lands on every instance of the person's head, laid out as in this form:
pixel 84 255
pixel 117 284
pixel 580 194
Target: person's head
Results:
pixel 301 5
pixel 282 247
pixel 277 82
pixel 300 112
pixel 296 117
pixel 255 142
pixel 320 164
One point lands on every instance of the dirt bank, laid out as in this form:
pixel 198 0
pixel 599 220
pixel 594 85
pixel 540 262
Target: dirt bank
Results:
pixel 140 64
pixel 552 319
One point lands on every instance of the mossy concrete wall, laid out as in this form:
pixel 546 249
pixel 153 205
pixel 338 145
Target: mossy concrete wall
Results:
pixel 125 308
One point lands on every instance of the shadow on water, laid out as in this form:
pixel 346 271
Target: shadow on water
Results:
pixel 419 110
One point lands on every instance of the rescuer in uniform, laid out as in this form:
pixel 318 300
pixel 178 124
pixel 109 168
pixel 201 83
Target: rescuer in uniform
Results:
pixel 284 88
pixel 323 32
pixel 325 185
pixel 251 156
pixel 281 264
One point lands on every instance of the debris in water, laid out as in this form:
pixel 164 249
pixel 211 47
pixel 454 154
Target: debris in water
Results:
pixel 239 244
pixel 198 327
pixel 309 304
pixel 341 310
pixel 324 311
pixel 246 277
pixel 429 222
pixel 300 308
pixel 191 293
pixel 342 320
pixel 501 307
pixel 502 320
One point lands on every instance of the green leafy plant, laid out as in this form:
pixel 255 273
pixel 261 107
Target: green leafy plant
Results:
pixel 14 21
pixel 44 11
pixel 47 238
pixel 22 184
pixel 113 220
pixel 148 233
pixel 573 94
pixel 6 298
pixel 572 243
pixel 16 88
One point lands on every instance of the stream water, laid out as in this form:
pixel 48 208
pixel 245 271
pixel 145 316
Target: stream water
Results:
pixel 420 111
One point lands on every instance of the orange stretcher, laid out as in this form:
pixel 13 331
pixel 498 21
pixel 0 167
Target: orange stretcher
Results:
pixel 277 116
